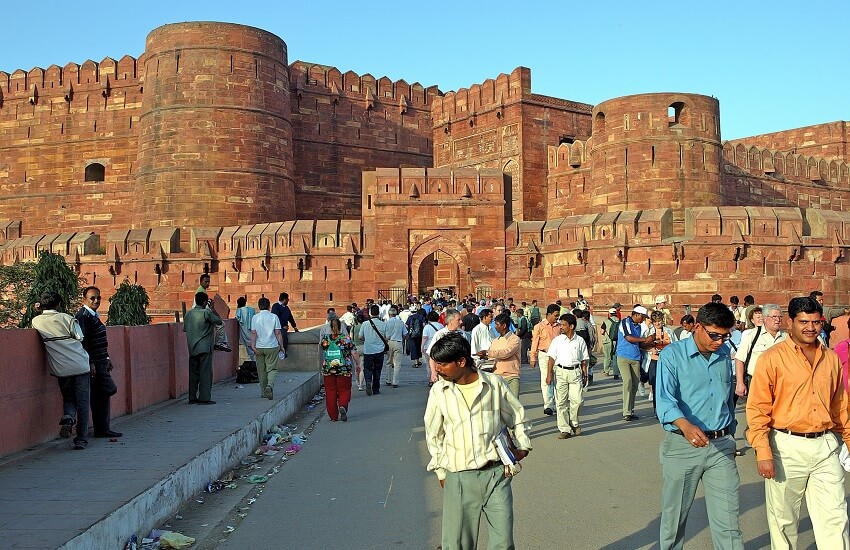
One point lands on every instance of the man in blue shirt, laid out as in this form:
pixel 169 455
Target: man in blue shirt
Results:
pixel 694 400
pixel 629 343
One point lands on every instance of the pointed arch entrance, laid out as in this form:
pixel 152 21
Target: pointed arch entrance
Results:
pixel 440 262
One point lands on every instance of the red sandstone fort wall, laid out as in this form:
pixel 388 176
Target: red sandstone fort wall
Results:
pixel 54 123
pixel 501 124
pixel 344 124
pixel 828 140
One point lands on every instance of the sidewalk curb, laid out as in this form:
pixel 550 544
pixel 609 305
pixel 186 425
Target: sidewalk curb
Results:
pixel 151 507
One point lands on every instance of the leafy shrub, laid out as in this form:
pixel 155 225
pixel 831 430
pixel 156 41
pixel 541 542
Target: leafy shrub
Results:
pixel 128 305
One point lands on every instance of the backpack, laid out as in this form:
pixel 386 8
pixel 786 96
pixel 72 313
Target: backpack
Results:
pixel 414 326
pixel 333 354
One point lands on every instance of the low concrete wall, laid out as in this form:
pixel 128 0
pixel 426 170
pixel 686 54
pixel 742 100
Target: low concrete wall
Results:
pixel 151 365
pixel 302 351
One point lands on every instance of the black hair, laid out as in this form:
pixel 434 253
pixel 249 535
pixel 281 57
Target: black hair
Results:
pixel 815 293
pixel 89 289
pixel 553 308
pixel 241 301
pixel 749 300
pixel 50 300
pixel 716 314
pixel 734 300
pixel 433 316
pixel 374 311
pixel 331 309
pixel 803 304
pixel 264 303
pixel 283 296
pixel 201 299
pixel 452 347
pixel 204 276
pixel 569 318
pixel 716 298
pixel 485 312
pixel 504 319
pixel 687 319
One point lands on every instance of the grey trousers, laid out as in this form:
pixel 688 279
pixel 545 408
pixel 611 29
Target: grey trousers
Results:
pixel 200 377
pixel 465 496
pixel 683 467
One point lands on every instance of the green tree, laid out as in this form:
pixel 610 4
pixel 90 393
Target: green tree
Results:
pixel 15 281
pixel 128 305
pixel 52 273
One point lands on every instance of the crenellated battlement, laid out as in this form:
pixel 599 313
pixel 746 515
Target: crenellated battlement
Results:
pixel 64 81
pixel 782 165
pixel 567 157
pixel 438 184
pixel 306 76
pixel 503 90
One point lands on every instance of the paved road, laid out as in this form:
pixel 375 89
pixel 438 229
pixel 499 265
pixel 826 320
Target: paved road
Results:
pixel 362 484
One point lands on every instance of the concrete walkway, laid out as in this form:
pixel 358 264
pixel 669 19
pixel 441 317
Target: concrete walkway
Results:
pixel 52 496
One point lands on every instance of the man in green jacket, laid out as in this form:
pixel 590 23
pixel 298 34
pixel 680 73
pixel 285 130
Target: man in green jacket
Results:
pixel 199 324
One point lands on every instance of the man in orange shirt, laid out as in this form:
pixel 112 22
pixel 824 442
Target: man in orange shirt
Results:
pixel 796 401
pixel 541 337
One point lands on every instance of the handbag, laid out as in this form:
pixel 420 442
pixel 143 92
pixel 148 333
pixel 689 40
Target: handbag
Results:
pixel 381 336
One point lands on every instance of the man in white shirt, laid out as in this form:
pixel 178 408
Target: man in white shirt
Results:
pixel 754 342
pixel 267 343
pixel 395 331
pixel 480 340
pixel 347 318
pixel 568 359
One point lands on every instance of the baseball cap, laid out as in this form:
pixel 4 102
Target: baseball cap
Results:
pixel 612 310
pixel 617 305
pixel 659 299
pixel 640 309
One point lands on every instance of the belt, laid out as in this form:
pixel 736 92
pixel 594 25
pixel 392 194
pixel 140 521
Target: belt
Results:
pixel 543 350
pixel 807 435
pixel 490 464
pixel 711 434
pixel 568 368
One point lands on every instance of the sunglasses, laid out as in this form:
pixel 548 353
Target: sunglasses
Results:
pixel 717 336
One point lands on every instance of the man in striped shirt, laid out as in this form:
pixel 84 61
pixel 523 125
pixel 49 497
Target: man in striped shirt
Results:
pixel 466 410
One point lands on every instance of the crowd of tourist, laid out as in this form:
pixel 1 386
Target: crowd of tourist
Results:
pixel 793 387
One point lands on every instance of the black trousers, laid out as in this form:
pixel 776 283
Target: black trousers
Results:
pixel 75 401
pixel 102 389
pixel 373 363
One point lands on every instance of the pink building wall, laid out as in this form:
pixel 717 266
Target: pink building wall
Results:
pixel 151 365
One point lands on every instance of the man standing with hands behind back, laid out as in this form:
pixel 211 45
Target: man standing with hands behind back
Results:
pixel 695 405
pixel 796 401
pixel 200 324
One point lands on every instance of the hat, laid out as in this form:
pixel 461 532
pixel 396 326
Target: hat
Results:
pixel 660 298
pixel 612 310
pixel 640 309
pixel 617 305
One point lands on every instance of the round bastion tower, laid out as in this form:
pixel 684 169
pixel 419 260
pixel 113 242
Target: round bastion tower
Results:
pixel 215 136
pixel 656 150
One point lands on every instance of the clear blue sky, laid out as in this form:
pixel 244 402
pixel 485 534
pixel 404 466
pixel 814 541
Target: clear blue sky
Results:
pixel 774 66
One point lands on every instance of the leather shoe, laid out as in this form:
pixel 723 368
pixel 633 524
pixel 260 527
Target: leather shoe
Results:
pixel 630 417
pixel 206 402
pixel 110 433
pixel 548 412
pixel 564 435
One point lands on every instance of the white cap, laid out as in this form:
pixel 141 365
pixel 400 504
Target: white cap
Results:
pixel 640 309
pixel 612 310
pixel 660 298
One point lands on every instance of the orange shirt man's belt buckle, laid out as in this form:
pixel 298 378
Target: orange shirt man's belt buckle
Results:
pixel 807 435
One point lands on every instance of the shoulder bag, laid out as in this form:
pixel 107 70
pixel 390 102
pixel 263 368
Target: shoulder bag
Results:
pixel 381 336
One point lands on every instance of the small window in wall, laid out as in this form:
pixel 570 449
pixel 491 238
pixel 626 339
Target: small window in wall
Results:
pixel 674 113
pixel 95 172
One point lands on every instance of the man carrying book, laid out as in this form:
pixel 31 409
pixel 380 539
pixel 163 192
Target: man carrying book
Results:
pixel 461 403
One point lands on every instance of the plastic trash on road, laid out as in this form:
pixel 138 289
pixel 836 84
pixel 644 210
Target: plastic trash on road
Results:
pixel 170 539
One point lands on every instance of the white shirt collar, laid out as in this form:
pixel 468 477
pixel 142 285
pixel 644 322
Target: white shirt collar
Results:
pixel 93 312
